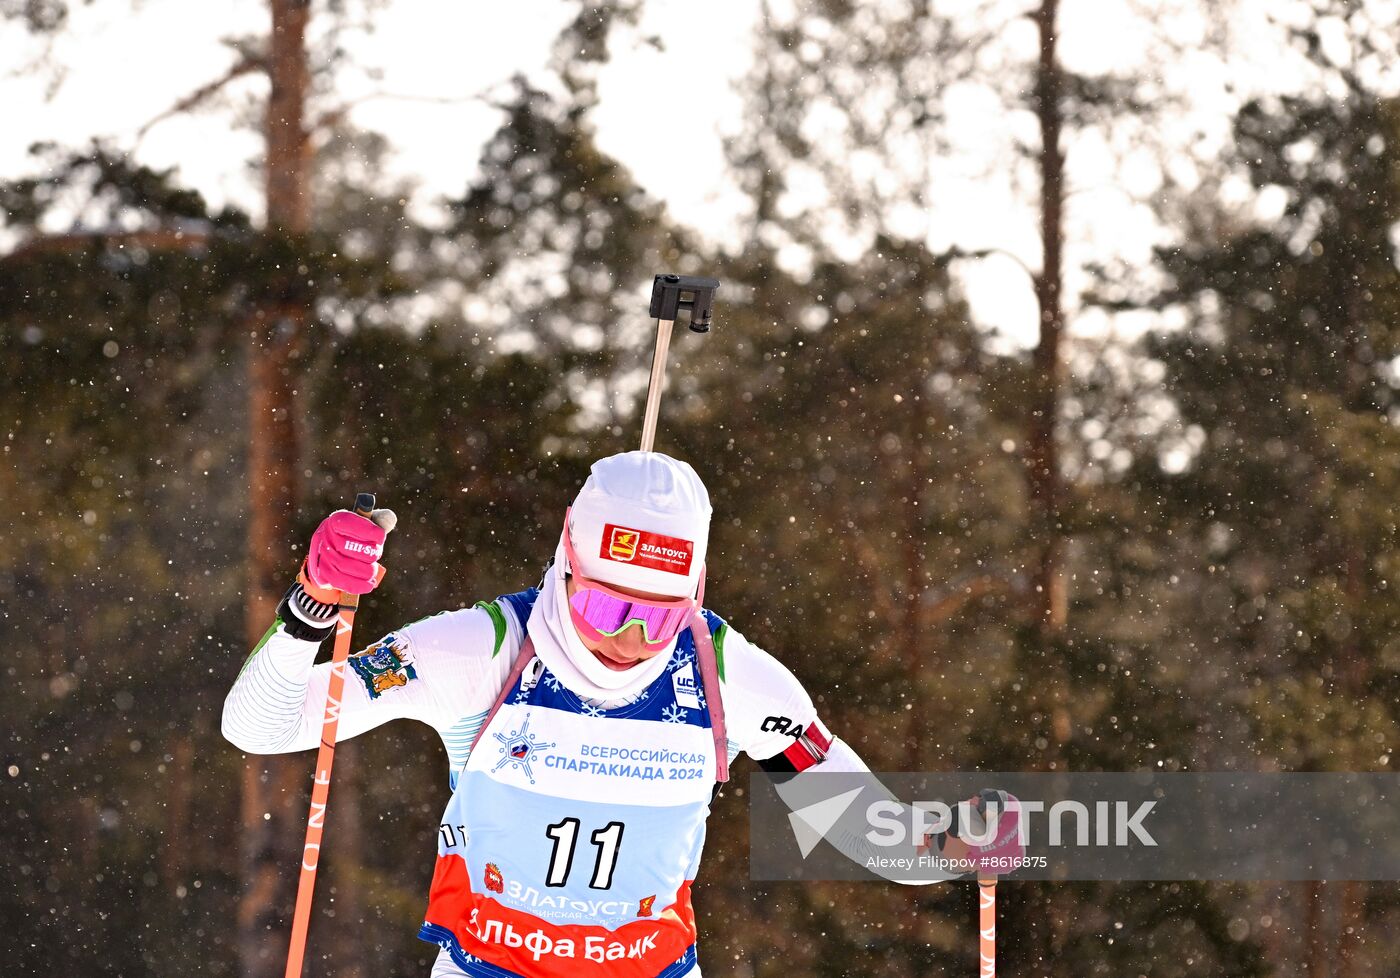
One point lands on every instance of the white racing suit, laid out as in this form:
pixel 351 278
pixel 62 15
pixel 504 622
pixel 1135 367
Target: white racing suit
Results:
pixel 575 827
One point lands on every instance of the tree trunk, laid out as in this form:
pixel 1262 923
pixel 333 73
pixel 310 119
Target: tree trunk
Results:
pixel 915 642
pixel 1350 924
pixel 1354 680
pixel 179 807
pixel 287 171
pixel 273 786
pixel 1042 455
pixel 1042 450
pixel 1314 940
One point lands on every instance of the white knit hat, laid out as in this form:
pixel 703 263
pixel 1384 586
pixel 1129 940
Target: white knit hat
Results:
pixel 642 521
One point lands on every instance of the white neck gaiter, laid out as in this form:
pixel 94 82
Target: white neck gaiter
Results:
pixel 564 654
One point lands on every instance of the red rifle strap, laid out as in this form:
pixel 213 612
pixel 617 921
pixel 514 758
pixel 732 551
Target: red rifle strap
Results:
pixel 709 678
pixel 527 652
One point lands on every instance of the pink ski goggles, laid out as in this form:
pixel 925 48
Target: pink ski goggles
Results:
pixel 599 611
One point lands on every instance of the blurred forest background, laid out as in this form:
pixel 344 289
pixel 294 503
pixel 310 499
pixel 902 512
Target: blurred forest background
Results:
pixel 1164 547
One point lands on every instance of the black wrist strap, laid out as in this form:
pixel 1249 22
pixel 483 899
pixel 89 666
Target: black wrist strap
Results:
pixel 294 618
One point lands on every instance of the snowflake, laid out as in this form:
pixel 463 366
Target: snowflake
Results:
pixel 521 696
pixel 682 660
pixel 675 713
pixel 552 682
pixel 589 710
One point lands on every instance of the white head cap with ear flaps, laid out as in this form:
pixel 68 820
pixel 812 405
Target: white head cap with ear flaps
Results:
pixel 642 521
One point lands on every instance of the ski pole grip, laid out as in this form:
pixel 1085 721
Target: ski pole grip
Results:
pixel 364 504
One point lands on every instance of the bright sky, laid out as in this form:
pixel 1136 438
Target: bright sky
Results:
pixel 125 66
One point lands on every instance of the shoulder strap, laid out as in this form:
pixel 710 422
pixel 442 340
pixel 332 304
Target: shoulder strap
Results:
pixel 527 652
pixel 709 678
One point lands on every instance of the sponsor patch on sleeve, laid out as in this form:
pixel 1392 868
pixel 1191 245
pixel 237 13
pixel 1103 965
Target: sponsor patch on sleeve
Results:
pixel 655 550
pixel 810 745
pixel 385 665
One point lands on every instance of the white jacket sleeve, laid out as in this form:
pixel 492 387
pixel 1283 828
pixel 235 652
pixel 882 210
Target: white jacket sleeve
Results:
pixel 771 718
pixel 768 714
pixel 434 670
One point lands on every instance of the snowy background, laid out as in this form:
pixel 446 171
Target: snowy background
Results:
pixel 1028 451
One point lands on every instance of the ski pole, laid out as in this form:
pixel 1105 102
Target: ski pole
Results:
pixel 669 295
pixel 987 926
pixel 325 757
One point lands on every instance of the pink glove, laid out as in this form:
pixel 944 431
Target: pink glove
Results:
pixel 343 556
pixel 1006 852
